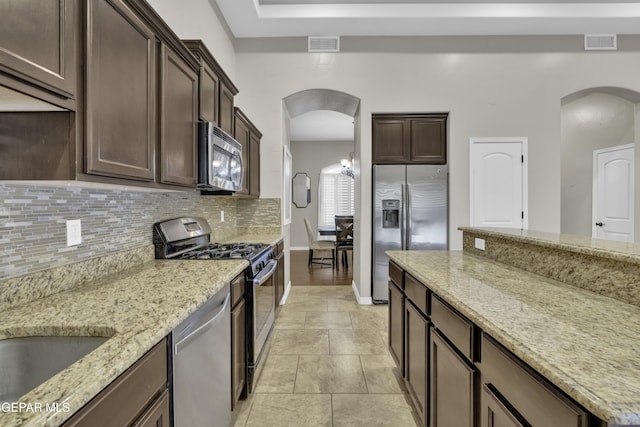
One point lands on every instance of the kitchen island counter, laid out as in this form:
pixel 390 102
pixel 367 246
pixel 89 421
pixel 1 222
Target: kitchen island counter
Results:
pixel 586 344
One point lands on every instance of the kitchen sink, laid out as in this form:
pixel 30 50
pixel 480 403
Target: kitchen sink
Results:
pixel 27 362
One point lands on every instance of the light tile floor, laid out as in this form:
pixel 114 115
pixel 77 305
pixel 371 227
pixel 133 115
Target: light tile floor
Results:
pixel 328 366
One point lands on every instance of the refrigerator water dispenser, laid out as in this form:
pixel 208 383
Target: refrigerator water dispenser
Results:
pixel 391 213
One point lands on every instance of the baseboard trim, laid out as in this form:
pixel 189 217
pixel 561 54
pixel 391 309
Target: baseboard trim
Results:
pixel 299 248
pixel 287 288
pixel 361 300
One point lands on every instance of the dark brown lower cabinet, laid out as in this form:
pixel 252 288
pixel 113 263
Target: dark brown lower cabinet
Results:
pixel 458 376
pixel 396 325
pixel 525 391
pixel 279 254
pixel 238 341
pixel 452 401
pixel 158 414
pixel 416 363
pixel 138 397
pixel 495 413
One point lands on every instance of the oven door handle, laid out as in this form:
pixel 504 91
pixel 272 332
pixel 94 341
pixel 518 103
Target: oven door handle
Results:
pixel 265 274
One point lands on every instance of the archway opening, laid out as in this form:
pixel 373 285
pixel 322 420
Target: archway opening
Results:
pixel 321 128
pixel 591 120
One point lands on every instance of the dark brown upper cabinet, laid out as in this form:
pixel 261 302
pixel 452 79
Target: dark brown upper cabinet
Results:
pixel 121 92
pixel 226 108
pixel 249 137
pixel 409 138
pixel 179 111
pixel 136 86
pixel 141 91
pixel 217 92
pixel 38 48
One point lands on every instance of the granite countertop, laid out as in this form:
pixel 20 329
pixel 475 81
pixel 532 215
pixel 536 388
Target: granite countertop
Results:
pixel 584 343
pixel 256 235
pixel 136 308
pixel 610 249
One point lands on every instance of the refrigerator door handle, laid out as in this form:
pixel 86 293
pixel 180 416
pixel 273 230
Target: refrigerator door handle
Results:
pixel 409 220
pixel 403 219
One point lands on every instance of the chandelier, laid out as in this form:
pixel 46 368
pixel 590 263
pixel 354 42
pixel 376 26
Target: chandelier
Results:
pixel 347 168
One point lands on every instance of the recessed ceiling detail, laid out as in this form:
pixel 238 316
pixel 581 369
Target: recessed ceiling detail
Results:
pixel 295 18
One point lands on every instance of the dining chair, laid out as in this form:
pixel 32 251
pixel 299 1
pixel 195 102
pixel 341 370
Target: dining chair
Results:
pixel 319 245
pixel 344 239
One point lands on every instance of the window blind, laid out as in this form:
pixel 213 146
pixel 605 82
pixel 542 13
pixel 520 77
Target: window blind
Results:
pixel 336 197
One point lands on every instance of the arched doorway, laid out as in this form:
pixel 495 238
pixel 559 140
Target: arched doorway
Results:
pixel 334 106
pixel 592 120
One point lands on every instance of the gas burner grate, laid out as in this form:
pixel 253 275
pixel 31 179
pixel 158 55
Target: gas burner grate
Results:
pixel 225 251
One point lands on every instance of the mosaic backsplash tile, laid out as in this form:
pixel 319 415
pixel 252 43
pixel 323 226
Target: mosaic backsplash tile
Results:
pixel 33 220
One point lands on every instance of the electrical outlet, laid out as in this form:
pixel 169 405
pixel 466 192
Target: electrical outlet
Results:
pixel 221 216
pixel 479 244
pixel 74 232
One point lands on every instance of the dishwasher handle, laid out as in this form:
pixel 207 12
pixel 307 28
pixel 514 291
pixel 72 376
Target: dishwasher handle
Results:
pixel 211 318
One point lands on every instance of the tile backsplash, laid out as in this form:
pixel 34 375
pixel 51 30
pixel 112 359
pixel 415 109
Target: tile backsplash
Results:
pixel 33 220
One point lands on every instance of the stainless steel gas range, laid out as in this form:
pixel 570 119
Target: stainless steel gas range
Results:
pixel 188 238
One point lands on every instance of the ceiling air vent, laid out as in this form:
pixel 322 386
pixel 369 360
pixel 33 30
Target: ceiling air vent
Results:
pixel 600 42
pixel 324 44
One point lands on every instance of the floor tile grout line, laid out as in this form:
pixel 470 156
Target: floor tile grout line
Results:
pixel 295 380
pixel 364 375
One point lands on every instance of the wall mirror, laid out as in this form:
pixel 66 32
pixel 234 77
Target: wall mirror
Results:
pixel 301 190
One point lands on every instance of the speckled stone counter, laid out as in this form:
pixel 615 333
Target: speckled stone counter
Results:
pixel 586 344
pixel 128 296
pixel 136 308
pixel 269 235
pixel 606 267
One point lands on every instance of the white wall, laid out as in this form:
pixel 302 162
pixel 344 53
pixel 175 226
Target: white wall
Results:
pixel 198 19
pixel 589 123
pixel 491 86
pixel 310 157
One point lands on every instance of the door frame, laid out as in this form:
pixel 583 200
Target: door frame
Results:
pixel 523 141
pixel 594 187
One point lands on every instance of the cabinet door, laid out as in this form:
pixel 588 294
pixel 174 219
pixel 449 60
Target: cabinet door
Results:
pixel 280 279
pixel 158 414
pixel 452 386
pixel 391 140
pixel 496 414
pixel 527 392
pixel 238 352
pixel 178 120
pixel 396 325
pixel 416 361
pixel 38 40
pixel 226 109
pixel 209 94
pixel 120 91
pixel 429 141
pixel 254 164
pixel 122 402
pixel 241 133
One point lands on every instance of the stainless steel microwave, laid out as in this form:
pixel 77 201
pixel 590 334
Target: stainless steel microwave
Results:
pixel 219 160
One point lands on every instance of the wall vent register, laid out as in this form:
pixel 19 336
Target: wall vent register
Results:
pixel 600 42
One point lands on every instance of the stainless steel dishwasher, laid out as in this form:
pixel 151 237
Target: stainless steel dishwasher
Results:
pixel 202 365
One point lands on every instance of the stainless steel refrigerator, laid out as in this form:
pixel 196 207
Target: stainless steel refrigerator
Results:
pixel 410 212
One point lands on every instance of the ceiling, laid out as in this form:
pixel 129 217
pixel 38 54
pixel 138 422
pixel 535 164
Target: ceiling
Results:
pixel 302 18
pixel 321 125
pixel 295 18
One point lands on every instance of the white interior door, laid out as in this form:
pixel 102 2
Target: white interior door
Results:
pixel 613 211
pixel 498 186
